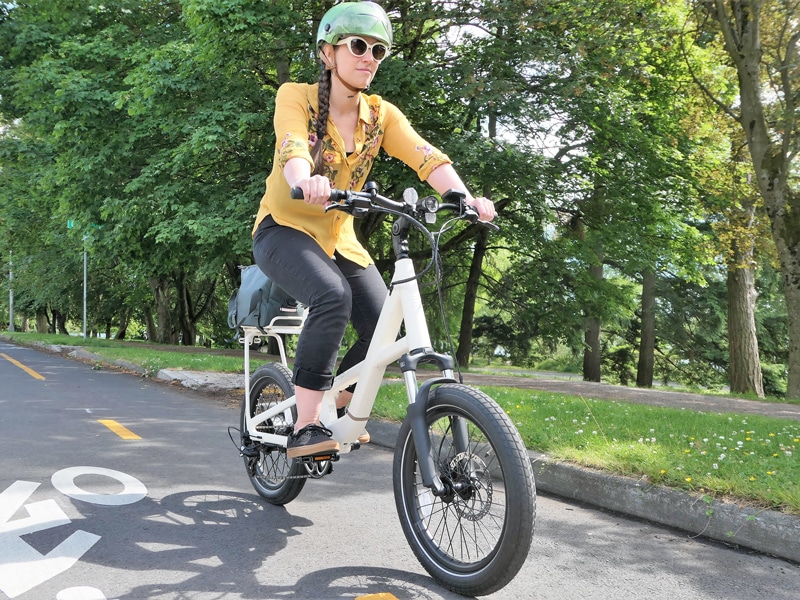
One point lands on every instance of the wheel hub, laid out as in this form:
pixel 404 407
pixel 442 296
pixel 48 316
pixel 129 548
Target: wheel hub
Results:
pixel 471 485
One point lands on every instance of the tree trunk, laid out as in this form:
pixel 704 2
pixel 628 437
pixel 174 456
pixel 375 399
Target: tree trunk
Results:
pixel 647 342
pixel 59 323
pixel 464 349
pixel 592 359
pixel 160 287
pixel 740 22
pixel 152 330
pixel 42 324
pixel 744 366
pixel 187 325
pixel 470 296
pixel 123 326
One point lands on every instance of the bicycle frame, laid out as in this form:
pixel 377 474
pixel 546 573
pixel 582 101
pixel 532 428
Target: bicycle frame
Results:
pixel 403 304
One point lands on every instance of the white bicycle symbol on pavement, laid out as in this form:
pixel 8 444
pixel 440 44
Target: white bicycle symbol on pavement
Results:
pixel 22 567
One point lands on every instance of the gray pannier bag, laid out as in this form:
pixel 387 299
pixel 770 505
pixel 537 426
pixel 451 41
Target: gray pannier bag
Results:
pixel 260 303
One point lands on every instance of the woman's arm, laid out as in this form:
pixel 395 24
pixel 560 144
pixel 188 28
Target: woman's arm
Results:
pixel 316 188
pixel 444 177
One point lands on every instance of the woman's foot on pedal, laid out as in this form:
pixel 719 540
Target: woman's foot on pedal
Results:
pixel 311 440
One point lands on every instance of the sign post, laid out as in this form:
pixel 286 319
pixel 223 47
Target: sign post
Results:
pixel 84 287
pixel 11 293
pixel 70 225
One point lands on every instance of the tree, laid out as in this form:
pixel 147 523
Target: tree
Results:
pixel 761 40
pixel 621 182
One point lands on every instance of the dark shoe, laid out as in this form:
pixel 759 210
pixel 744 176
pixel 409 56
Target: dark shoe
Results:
pixel 311 440
pixel 364 438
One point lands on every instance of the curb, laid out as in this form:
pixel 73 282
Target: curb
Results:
pixel 766 531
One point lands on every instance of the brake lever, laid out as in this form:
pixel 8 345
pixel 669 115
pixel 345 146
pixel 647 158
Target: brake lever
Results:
pixel 471 215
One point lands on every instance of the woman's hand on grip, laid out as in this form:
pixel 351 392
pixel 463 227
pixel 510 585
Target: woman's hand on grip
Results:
pixel 484 207
pixel 316 189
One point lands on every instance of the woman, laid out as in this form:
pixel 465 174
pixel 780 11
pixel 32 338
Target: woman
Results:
pixel 327 136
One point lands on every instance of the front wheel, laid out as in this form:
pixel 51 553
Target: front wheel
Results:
pixel 275 477
pixel 475 538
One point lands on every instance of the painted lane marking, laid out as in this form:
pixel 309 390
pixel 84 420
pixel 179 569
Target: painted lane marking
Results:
pixel 22 567
pixel 133 489
pixel 28 370
pixel 120 430
pixel 81 593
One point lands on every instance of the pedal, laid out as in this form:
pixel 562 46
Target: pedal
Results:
pixel 249 451
pixel 317 458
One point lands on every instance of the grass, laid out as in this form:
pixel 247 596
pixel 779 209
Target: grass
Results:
pixel 151 358
pixel 748 459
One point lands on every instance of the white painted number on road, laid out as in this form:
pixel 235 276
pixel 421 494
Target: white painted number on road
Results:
pixel 64 482
pixel 81 593
pixel 22 567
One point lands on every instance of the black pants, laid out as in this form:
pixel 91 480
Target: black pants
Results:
pixel 334 291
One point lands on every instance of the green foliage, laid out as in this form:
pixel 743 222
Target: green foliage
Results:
pixel 154 120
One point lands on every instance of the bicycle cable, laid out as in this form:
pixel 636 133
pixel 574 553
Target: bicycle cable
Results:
pixel 435 262
pixel 447 226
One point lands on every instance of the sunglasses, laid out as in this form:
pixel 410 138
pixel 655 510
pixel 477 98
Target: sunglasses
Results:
pixel 358 47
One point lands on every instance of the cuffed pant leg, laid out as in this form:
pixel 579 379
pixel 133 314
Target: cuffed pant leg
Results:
pixel 295 262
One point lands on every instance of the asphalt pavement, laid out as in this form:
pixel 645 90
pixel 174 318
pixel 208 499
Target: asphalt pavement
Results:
pixel 765 531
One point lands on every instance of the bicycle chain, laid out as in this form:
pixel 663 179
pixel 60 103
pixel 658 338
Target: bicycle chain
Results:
pixel 328 469
pixel 287 477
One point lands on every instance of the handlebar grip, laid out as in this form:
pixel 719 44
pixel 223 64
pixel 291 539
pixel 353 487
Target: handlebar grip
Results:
pixel 336 195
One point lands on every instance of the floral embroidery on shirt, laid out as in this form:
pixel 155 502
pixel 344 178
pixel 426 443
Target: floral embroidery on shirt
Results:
pixel 289 148
pixel 429 153
pixel 373 133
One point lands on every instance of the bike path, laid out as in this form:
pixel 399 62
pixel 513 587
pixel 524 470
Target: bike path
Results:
pixel 770 532
pixel 766 531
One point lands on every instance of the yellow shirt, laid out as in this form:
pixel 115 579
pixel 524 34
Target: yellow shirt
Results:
pixel 380 125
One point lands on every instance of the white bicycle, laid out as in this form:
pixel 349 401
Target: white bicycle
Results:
pixel 463 482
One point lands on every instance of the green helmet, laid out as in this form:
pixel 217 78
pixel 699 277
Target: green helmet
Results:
pixel 355 18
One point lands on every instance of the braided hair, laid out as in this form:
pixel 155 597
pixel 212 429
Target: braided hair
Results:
pixel 321 122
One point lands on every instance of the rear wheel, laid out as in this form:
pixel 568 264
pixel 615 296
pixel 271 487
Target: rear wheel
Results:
pixel 275 477
pixel 475 538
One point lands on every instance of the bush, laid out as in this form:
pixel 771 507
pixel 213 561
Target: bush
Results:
pixel 774 377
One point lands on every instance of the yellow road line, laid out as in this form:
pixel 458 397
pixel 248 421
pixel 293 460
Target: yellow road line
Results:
pixel 120 430
pixel 28 370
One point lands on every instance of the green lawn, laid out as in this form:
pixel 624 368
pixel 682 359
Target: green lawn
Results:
pixel 748 459
pixel 745 458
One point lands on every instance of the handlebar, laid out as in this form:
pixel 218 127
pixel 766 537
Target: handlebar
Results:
pixel 358 203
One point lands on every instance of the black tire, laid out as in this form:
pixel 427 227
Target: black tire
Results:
pixel 474 540
pixel 271 472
